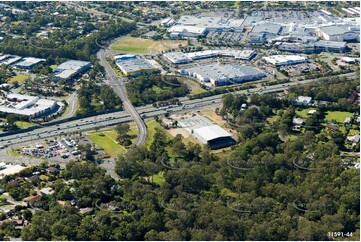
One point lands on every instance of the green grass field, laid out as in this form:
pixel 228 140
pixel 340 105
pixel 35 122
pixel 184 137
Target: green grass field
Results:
pixel 140 46
pixel 23 125
pixel 20 78
pixel 107 143
pixel 53 67
pixel 338 116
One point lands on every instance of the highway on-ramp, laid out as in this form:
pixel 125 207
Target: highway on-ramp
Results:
pixel 119 88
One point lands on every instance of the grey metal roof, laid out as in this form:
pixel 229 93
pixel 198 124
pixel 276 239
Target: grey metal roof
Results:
pixel 135 64
pixel 325 43
pixel 71 65
pixel 267 28
pixel 334 29
pixel 215 71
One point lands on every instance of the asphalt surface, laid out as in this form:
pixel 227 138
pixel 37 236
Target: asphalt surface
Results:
pixel 117 83
pixel 148 111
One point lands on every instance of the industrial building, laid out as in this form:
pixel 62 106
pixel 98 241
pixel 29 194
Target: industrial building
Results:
pixel 206 132
pixel 70 69
pixel 131 65
pixel 181 58
pixel 28 63
pixel 339 32
pixel 281 60
pixel 219 75
pixel 214 136
pixel 9 59
pixel 24 105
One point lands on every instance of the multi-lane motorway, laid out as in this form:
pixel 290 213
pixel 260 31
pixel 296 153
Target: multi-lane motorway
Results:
pixel 115 118
pixel 118 86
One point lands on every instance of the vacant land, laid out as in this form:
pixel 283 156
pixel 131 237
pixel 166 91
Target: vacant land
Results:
pixel 106 139
pixel 20 78
pixel 105 142
pixel 141 46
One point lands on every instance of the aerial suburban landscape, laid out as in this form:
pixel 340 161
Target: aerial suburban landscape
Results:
pixel 180 120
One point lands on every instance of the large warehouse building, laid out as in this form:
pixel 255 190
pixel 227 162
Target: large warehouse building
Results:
pixel 206 132
pixel 214 136
pixel 281 60
pixel 24 105
pixel 181 58
pixel 131 65
pixel 220 75
pixel 339 32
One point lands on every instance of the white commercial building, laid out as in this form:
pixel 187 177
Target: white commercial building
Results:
pixel 177 57
pixel 181 58
pixel 193 26
pixel 220 75
pixel 280 60
pixel 25 105
pixel 339 32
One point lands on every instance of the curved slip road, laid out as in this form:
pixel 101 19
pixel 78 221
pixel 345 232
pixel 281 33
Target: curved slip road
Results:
pixel 117 83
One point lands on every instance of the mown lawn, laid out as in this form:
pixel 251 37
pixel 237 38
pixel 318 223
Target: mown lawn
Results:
pixel 338 116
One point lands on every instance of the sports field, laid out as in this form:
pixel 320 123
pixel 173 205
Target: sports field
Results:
pixel 142 46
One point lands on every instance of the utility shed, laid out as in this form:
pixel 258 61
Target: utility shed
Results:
pixel 214 136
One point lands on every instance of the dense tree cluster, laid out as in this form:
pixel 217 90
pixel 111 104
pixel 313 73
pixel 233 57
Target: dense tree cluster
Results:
pixel 334 89
pixel 153 88
pixel 266 190
pixel 64 44
pixel 94 98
